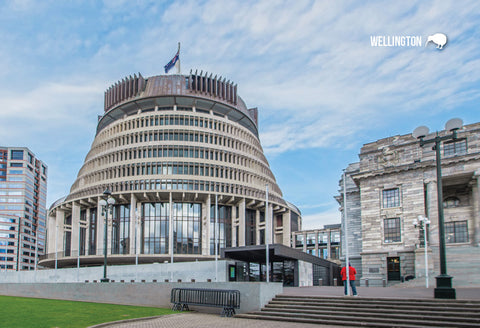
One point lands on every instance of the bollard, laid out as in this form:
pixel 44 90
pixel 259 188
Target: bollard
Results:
pixel 320 282
pixel 335 281
pixel 384 282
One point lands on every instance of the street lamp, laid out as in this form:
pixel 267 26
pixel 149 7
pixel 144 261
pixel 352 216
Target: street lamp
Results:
pixel 444 281
pixel 107 203
pixel 423 223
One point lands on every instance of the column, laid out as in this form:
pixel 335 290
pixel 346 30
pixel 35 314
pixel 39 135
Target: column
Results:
pixel 206 226
pixel 257 225
pixel 100 228
pixel 75 229
pixel 52 225
pixel 87 231
pixel 287 229
pixel 234 226
pixel 476 211
pixel 432 214
pixel 60 220
pixel 134 212
pixel 241 223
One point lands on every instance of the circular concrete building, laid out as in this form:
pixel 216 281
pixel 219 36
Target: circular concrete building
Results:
pixel 171 149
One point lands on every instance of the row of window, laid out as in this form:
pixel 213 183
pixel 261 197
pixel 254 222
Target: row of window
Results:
pixel 391 198
pixel 161 119
pixel 455 232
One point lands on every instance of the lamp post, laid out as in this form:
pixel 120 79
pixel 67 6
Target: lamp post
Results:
pixel 107 203
pixel 423 223
pixel 444 281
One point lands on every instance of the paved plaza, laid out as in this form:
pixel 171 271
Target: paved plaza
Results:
pixel 209 320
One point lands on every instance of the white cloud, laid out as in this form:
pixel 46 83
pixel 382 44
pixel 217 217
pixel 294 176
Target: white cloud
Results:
pixel 318 220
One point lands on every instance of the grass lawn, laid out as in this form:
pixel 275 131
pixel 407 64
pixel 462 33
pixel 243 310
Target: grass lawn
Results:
pixel 20 312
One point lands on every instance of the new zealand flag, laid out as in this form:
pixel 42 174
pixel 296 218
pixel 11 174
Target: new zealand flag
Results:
pixel 172 62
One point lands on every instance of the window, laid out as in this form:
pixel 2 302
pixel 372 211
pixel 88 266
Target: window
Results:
pixel 391 198
pixel 392 231
pixel 16 154
pixel 456 232
pixel 455 148
pixel 451 202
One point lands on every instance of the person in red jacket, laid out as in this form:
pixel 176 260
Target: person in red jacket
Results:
pixel 351 273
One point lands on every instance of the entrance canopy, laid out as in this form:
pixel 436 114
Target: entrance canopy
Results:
pixel 277 252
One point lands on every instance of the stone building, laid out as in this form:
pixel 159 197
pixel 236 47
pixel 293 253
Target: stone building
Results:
pixel 393 183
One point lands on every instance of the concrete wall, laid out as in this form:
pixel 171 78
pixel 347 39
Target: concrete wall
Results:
pixel 253 295
pixel 186 271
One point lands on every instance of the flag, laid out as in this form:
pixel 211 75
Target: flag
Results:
pixel 172 62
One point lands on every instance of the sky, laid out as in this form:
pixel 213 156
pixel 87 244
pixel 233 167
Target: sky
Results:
pixel 321 88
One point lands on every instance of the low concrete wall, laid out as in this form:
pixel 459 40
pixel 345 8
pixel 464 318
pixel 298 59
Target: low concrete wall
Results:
pixel 200 271
pixel 253 295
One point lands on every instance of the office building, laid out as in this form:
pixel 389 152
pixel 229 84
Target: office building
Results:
pixel 23 190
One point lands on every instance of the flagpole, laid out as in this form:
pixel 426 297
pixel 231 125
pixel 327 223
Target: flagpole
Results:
pixel 178 68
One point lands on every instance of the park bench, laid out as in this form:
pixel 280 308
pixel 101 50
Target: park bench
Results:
pixel 229 300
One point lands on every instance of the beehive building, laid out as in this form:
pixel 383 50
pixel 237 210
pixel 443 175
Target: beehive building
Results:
pixel 171 149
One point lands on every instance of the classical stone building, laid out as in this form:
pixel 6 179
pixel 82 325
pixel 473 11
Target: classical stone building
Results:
pixel 171 149
pixel 395 182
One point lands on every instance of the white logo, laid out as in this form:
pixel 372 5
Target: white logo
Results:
pixel 439 39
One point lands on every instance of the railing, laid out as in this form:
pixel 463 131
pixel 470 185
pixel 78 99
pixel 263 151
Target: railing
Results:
pixel 229 300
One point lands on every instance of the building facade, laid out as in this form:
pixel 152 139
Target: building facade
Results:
pixel 179 153
pixel 324 243
pixel 395 182
pixel 23 192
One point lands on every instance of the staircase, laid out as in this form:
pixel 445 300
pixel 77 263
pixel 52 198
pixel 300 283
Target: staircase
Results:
pixel 371 312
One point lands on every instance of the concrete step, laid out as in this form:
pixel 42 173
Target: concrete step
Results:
pixel 377 310
pixel 371 312
pixel 347 322
pixel 366 319
pixel 382 313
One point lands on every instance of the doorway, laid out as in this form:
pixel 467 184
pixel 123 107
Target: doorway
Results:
pixel 393 268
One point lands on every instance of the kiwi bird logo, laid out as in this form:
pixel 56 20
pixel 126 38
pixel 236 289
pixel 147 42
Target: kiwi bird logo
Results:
pixel 439 39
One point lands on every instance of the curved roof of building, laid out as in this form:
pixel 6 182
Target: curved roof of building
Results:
pixel 202 91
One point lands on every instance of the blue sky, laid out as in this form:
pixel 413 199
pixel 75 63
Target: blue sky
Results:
pixel 321 89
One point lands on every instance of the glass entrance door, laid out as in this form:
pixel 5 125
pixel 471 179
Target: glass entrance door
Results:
pixel 393 267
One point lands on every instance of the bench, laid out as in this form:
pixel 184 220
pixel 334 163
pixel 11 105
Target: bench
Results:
pixel 229 300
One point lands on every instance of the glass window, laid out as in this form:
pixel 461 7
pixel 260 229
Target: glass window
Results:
pixel 455 148
pixel 299 240
pixel 335 237
pixel 456 232
pixel 224 224
pixel 310 239
pixel 392 231
pixel 451 202
pixel 323 238
pixel 391 198
pixel 16 154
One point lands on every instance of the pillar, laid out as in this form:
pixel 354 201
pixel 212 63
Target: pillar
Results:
pixel 134 217
pixel 100 228
pixel 206 226
pixel 476 211
pixel 241 223
pixel 75 229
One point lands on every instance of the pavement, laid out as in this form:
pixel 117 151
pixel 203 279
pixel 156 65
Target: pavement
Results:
pixel 210 320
